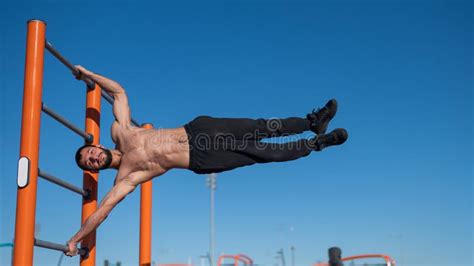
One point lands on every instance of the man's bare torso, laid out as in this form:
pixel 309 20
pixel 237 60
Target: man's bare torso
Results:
pixel 149 152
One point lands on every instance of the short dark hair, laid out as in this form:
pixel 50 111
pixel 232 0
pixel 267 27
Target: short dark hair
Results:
pixel 78 157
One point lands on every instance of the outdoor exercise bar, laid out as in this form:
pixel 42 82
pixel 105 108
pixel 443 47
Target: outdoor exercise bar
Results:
pixel 76 72
pixel 50 48
pixel 54 246
pixel 28 170
pixel 87 137
pixel 63 183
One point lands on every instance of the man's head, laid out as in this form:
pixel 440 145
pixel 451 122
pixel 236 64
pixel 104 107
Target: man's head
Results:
pixel 93 157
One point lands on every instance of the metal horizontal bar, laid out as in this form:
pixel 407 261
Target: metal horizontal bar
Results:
pixel 87 137
pixel 89 82
pixel 63 183
pixel 75 71
pixel 107 97
pixel 110 99
pixel 50 245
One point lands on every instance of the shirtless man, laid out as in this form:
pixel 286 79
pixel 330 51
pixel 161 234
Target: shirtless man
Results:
pixel 205 145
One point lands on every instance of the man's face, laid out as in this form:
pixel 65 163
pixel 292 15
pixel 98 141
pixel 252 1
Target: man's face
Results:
pixel 95 158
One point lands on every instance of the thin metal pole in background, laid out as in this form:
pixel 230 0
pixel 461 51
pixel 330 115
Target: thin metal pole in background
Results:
pixel 292 249
pixel 212 185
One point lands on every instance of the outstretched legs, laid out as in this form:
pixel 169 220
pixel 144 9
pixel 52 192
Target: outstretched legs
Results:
pixel 221 144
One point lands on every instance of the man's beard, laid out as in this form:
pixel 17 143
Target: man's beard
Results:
pixel 107 161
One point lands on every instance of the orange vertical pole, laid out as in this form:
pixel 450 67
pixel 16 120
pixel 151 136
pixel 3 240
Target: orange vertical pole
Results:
pixel 89 205
pixel 145 219
pixel 29 147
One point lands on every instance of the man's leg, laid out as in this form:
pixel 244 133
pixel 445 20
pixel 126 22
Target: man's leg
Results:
pixel 227 154
pixel 265 152
pixel 249 129
pixel 256 129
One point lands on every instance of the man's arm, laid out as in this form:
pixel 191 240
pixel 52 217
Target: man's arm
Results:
pixel 121 108
pixel 117 194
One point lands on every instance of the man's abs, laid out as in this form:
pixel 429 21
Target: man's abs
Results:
pixel 169 147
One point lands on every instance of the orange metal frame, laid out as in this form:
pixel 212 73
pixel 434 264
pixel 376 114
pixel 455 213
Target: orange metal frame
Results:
pixel 90 179
pixel 29 149
pixel 145 219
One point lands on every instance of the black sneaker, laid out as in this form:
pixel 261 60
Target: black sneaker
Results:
pixel 320 118
pixel 335 137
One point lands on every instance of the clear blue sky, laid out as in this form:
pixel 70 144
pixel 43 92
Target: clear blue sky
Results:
pixel 401 70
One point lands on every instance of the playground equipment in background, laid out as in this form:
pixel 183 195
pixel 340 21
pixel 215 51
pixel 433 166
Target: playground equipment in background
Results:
pixel 387 260
pixel 246 260
pixel 335 259
pixel 28 170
